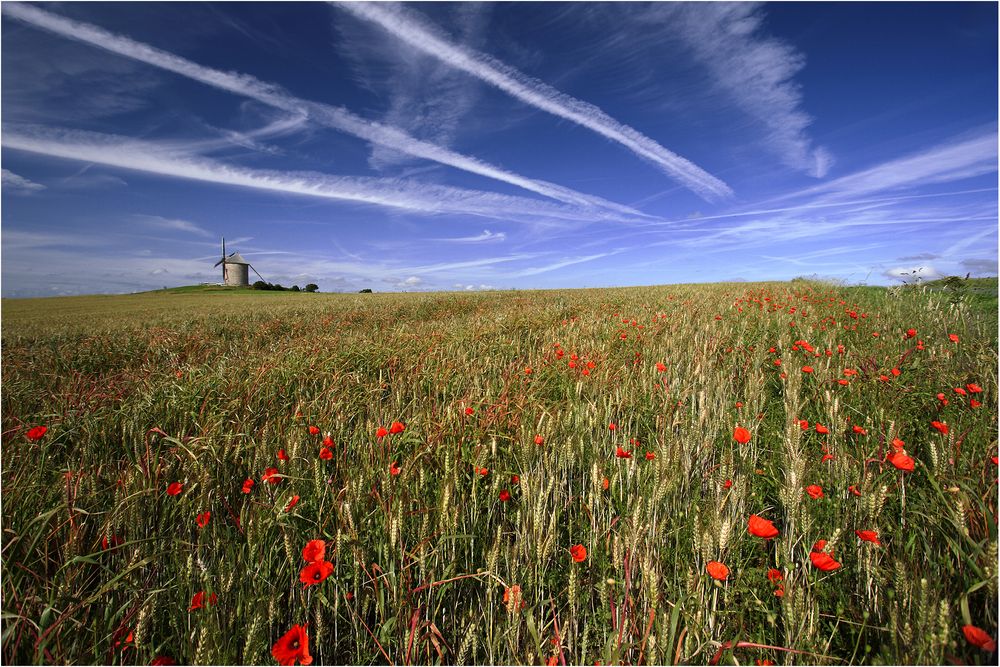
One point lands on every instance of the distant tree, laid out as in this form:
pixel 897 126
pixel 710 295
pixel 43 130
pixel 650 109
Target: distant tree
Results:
pixel 295 288
pixel 260 284
pixel 365 291
pixel 312 287
pixel 277 287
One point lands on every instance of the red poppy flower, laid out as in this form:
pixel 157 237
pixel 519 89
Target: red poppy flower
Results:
pixel 823 561
pixel 717 570
pixel 315 572
pixel 901 461
pixel 328 441
pixel 843 383
pixel 868 536
pixel 911 333
pixel 822 430
pixel 381 432
pixel 314 430
pixel 953 338
pixel 325 453
pixel 394 469
pixel 660 366
pixel 314 551
pixel 959 391
pixel 741 435
pixel 539 439
pixel 579 553
pixel 293 647
pixel 940 426
pixel 282 456
pixel 203 519
pixel 292 503
pixel 622 454
pixel 650 456
pixel 859 430
pixel 174 488
pixel 898 445
pixel 728 484
pixel 895 372
pixel 827 457
pixel 979 638
pixel 774 576
pixel 779 592
pixel 760 527
pixel 483 472
pixel 973 403
pixel 270 476
pixel 164 660
pixel 853 489
pixel 973 388
pixel 469 411
pixel 515 479
pixel 807 369
pixel 611 426
pixel 605 483
pixel 397 427
pixel 504 495
pixel 527 371
pixel 198 601
pixel 815 491
pixel 35 434
pixel 940 397
pixel 247 485
pixel 512 598
pixel 112 544
pixel 803 424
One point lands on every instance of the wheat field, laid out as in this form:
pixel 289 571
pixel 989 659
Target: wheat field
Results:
pixel 557 477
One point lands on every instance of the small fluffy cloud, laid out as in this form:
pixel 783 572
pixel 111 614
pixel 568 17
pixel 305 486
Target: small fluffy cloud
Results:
pixel 909 274
pixel 980 266
pixel 19 185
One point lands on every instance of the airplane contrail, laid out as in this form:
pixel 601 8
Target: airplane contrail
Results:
pixel 273 95
pixel 411 29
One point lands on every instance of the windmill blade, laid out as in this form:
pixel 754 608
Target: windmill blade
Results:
pixel 255 271
pixel 219 262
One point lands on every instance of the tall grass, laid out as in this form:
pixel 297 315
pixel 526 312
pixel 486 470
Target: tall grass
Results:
pixel 205 389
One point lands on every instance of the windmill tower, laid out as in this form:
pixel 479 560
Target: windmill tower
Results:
pixel 235 269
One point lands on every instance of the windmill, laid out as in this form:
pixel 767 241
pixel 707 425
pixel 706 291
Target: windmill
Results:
pixel 235 271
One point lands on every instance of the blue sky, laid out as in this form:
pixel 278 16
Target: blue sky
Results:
pixel 461 146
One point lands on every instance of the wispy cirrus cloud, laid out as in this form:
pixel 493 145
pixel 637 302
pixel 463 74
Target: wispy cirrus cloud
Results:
pixel 18 185
pixel 426 98
pixel 418 33
pixel 485 237
pixel 173 224
pixel 412 196
pixel 755 71
pixel 957 159
pixel 273 95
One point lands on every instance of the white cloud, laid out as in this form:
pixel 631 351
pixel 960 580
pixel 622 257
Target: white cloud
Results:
pixel 18 185
pixel 418 33
pixel 486 237
pixel 275 96
pixel 174 225
pixel 756 71
pixel 953 160
pixel 912 274
pixel 401 194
